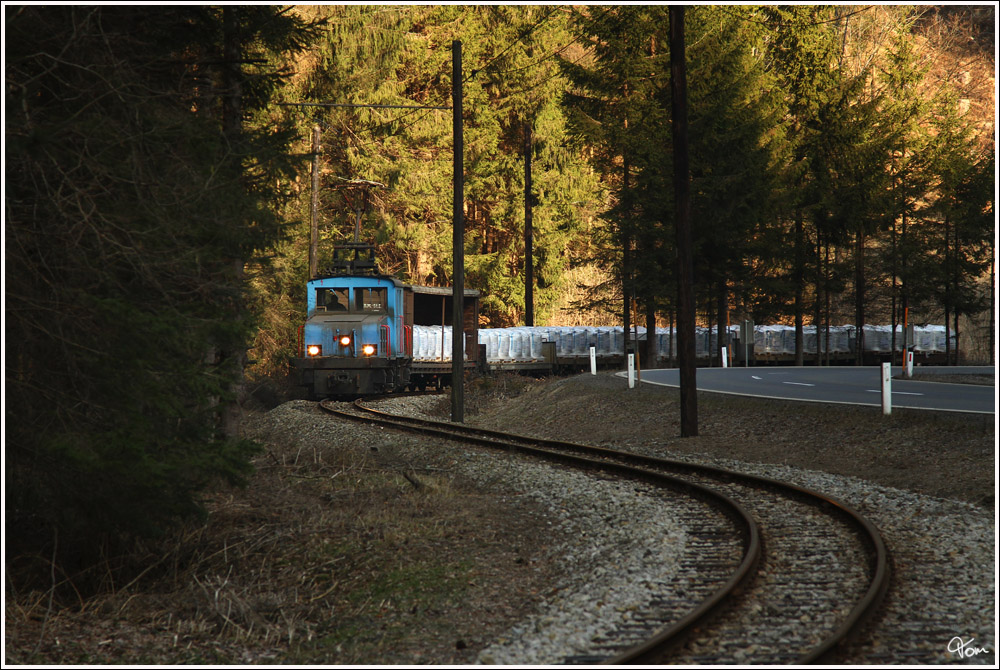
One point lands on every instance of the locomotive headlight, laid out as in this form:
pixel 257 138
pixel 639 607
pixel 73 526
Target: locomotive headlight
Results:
pixel 345 341
pixel 314 350
pixel 368 350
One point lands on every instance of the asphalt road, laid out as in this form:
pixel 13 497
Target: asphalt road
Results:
pixel 847 385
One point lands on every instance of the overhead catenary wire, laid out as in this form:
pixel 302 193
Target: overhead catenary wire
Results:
pixel 557 51
pixel 791 24
pixel 524 33
pixel 473 73
pixel 359 105
pixel 530 29
pixel 411 110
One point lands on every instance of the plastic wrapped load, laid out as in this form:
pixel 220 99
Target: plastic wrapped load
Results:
pixel 810 338
pixel 666 342
pixel 431 343
pixel 929 338
pixel 610 340
pixel 840 340
pixel 491 339
pixel 427 343
pixel 878 338
pixel 768 339
pixel 523 344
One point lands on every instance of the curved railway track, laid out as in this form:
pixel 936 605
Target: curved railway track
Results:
pixel 806 572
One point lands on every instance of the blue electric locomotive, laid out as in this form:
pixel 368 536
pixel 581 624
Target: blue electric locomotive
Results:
pixel 358 336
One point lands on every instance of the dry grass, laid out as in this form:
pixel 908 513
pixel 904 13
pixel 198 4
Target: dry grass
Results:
pixel 341 552
pixel 347 550
pixel 937 453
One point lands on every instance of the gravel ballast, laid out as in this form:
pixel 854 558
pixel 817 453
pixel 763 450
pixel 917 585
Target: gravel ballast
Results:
pixel 941 605
pixel 354 545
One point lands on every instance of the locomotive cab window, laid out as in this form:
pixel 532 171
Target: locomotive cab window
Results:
pixel 332 299
pixel 370 299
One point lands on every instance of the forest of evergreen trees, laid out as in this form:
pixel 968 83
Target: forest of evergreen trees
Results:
pixel 832 151
pixel 158 189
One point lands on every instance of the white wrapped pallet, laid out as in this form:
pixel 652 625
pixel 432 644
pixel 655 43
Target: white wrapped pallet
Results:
pixel 929 338
pixel 503 347
pixel 809 339
pixel 663 342
pixel 592 336
pixel 839 340
pixel 767 339
pixel 416 337
pixel 581 341
pixel 419 342
pixel 615 339
pixel 533 344
pixel 878 338
pixel 524 335
pixel 432 343
pixel 441 351
pixel 565 342
pixel 602 341
pixel 516 344
pixel 492 341
pixel 788 341
pixel 700 346
pixel 923 339
pixel 426 342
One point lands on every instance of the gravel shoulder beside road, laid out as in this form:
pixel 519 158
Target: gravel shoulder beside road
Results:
pixel 934 453
pixel 926 479
pixel 355 545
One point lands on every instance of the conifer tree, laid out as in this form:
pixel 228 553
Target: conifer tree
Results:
pixel 802 52
pixel 375 56
pixel 127 206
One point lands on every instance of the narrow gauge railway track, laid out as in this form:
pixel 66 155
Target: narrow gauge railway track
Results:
pixel 387 396
pixel 727 541
pixel 820 557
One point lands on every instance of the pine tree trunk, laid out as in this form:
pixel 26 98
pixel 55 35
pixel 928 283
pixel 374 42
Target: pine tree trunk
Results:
pixel 859 295
pixel 821 271
pixel 722 320
pixel 650 359
pixel 947 294
pixel 232 128
pixel 800 278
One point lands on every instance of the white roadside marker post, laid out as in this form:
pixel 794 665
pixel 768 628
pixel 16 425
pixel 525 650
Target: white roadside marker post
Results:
pixel 724 355
pixel 631 371
pixel 593 360
pixel 887 389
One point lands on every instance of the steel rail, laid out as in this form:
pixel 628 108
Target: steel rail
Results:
pixel 867 531
pixel 746 524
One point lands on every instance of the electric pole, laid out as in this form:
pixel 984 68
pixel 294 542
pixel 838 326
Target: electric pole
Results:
pixel 458 243
pixel 314 208
pixel 529 265
pixel 682 218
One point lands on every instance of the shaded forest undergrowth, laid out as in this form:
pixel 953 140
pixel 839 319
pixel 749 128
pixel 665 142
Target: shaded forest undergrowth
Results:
pixel 353 545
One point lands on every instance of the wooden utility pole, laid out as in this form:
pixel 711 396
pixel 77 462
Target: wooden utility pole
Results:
pixel 458 243
pixel 626 254
pixel 800 280
pixel 314 208
pixel 682 217
pixel 529 265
